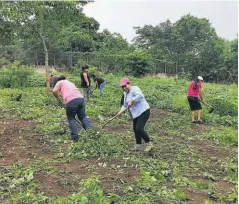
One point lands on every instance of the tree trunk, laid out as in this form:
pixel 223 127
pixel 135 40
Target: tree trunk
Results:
pixel 46 57
pixel 37 60
pixel 46 65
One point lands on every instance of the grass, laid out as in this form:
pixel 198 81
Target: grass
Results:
pixel 185 158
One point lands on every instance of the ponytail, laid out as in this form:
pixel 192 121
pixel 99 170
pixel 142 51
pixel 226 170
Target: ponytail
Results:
pixel 195 85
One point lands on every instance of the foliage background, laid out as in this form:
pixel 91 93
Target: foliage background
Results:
pixel 187 48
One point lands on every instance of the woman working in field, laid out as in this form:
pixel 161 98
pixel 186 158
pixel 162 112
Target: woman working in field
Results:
pixel 138 110
pixel 194 97
pixel 75 104
pixel 99 83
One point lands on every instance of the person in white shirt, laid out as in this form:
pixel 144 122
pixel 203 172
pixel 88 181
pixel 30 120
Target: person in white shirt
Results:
pixel 139 111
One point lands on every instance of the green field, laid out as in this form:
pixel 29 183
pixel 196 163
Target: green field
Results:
pixel 190 163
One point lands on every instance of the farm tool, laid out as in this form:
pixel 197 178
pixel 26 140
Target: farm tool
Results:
pixel 98 132
pixel 211 107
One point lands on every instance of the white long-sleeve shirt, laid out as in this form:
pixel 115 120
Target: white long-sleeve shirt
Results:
pixel 140 104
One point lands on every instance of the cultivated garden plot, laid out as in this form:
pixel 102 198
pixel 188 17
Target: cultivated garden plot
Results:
pixel 190 163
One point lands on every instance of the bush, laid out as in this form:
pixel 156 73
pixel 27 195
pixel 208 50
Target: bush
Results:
pixel 184 75
pixel 15 76
pixel 223 98
pixel 224 135
pixel 4 62
pixel 36 80
pixel 137 64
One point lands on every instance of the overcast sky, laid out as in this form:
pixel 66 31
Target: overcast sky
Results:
pixel 122 15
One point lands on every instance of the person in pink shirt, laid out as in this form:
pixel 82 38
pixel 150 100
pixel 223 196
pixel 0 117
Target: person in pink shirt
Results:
pixel 53 80
pixel 75 104
pixel 194 95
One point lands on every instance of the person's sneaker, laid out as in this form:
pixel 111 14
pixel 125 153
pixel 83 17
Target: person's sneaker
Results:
pixel 200 121
pixel 149 147
pixel 137 148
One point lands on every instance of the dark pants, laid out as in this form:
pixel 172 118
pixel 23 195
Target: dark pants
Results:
pixel 138 127
pixel 194 103
pixel 73 108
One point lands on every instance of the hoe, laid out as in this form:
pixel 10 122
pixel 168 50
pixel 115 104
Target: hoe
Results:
pixel 211 107
pixel 98 132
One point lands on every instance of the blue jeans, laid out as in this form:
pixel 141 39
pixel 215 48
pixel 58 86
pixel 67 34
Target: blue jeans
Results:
pixel 102 86
pixel 73 108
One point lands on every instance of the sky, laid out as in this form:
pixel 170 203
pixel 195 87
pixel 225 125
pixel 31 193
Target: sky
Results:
pixel 121 16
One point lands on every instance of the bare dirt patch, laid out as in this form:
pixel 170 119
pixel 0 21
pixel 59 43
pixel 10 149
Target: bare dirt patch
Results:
pixel 19 143
pixel 224 186
pixel 196 197
pixel 118 128
pixel 56 185
pixel 199 128
pixel 209 149
pixel 112 174
pixel 157 114
pixel 112 127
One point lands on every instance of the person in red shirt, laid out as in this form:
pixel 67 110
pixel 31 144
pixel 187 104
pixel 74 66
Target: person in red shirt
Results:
pixel 85 82
pixel 53 80
pixel 195 96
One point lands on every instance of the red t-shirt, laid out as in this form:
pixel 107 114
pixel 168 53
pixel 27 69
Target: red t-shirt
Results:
pixel 51 79
pixel 191 91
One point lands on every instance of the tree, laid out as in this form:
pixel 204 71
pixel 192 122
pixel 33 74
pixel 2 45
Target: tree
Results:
pixel 6 31
pixel 231 61
pixel 113 43
pixel 145 37
pixel 39 17
pixel 191 46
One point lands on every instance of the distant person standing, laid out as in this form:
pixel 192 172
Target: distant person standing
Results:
pixel 85 82
pixel 194 97
pixel 99 83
